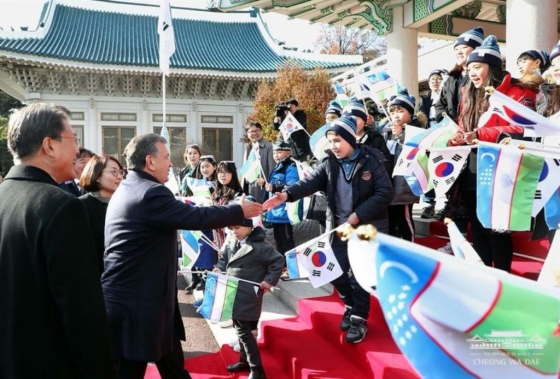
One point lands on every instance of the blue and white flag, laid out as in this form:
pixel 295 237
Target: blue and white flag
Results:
pixel 166 36
pixel 219 297
pixel 448 316
pixel 319 142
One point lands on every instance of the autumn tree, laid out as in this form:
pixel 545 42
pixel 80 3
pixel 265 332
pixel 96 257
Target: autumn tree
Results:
pixel 340 40
pixel 312 90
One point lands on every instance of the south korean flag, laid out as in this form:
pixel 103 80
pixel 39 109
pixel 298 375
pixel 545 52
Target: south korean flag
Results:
pixel 322 264
pixel 548 183
pixel 445 165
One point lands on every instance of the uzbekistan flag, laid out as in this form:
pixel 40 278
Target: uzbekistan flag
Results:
pixel 219 296
pixel 417 175
pixel 341 95
pixel 319 142
pixel 296 265
pixel 445 165
pixel 289 125
pixel 251 169
pixel 507 181
pixel 517 114
pixel 448 316
pixel 198 187
pixel 189 247
pixel 295 211
pixel 461 247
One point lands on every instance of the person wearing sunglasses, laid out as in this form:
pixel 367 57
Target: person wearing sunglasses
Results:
pixel 100 179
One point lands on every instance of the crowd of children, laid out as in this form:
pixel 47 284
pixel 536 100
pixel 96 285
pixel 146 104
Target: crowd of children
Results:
pixel 357 182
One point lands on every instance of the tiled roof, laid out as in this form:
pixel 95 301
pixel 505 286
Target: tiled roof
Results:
pixel 100 37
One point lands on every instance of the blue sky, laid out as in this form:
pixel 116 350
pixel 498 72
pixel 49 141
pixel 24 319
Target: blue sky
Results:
pixel 296 33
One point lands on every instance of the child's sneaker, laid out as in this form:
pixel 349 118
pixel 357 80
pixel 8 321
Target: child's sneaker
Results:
pixel 358 330
pixel 197 303
pixel 345 323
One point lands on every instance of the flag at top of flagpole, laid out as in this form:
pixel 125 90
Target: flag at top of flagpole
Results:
pixel 166 36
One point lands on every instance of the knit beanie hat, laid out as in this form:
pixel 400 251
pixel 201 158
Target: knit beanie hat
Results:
pixel 334 108
pixel 437 72
pixel 472 38
pixel 356 109
pixel 555 51
pixel 282 145
pixel 538 54
pixel 404 100
pixel 346 128
pixel 488 52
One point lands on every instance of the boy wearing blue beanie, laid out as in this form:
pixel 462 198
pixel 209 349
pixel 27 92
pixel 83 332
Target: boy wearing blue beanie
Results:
pixel 358 191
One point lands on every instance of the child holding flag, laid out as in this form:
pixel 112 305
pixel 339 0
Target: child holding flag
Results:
pixel 358 191
pixel 284 174
pixel 401 110
pixel 249 256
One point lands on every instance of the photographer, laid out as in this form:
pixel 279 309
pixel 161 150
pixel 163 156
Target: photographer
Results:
pixel 300 138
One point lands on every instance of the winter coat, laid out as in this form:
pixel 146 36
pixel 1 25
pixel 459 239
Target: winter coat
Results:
pixel 139 281
pixel 257 261
pixel 372 190
pixel 284 174
pixel 267 164
pixel 450 96
pixel 372 138
pixel 403 193
pixel 97 210
pixel 522 91
pixel 53 323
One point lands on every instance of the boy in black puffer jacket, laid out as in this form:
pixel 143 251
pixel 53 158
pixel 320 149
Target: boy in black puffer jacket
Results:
pixel 358 191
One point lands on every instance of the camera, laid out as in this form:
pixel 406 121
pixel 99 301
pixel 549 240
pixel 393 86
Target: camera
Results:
pixel 281 110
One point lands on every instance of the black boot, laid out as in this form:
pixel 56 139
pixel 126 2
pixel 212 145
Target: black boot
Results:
pixel 195 281
pixel 242 365
pixel 201 285
pixel 257 373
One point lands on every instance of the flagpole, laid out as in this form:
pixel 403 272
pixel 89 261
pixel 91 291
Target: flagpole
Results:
pixel 223 274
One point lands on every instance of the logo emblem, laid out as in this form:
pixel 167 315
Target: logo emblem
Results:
pixel 366 175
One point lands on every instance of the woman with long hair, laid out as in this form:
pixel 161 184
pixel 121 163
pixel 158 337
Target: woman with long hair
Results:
pixel 192 158
pixel 484 66
pixel 227 189
pixel 100 179
pixel 450 96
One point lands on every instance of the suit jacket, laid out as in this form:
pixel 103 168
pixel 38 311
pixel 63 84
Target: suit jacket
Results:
pixel 139 281
pixel 257 261
pixel 52 316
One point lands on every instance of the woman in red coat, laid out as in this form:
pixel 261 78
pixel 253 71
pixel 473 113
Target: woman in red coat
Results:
pixel 484 67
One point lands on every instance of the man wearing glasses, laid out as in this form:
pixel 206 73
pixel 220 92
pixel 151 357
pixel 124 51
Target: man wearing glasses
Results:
pixel 264 150
pixel 49 279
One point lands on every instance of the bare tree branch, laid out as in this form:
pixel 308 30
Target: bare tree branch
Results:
pixel 338 40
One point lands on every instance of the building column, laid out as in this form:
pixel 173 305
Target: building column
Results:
pixel 402 53
pixel 93 134
pixel 530 25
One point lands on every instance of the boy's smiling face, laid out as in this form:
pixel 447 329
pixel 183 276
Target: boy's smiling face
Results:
pixel 339 146
pixel 280 155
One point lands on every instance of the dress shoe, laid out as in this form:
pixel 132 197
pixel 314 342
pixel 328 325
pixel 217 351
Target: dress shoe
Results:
pixel 257 373
pixel 239 366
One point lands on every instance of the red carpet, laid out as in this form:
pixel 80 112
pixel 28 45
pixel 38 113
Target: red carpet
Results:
pixel 311 346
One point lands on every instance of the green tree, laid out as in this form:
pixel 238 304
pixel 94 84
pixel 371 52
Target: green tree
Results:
pixel 5 157
pixel 313 91
pixel 8 104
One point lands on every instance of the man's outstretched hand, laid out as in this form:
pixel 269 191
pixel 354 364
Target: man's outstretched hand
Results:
pixel 276 200
pixel 250 209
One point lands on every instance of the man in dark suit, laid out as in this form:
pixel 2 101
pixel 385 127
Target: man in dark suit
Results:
pixel 139 282
pixel 52 315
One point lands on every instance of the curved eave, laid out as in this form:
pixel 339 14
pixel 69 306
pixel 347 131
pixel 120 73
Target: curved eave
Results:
pixel 61 65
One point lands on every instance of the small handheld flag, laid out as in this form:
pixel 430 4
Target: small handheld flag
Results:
pixel 219 296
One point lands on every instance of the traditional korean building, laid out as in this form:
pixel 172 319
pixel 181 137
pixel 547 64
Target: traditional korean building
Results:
pixel 100 60
pixel 522 24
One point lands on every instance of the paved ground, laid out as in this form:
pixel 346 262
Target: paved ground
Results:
pixel 200 339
